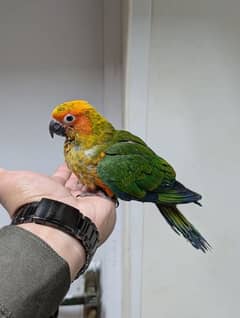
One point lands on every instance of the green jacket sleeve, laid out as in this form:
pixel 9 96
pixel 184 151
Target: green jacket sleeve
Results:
pixel 33 278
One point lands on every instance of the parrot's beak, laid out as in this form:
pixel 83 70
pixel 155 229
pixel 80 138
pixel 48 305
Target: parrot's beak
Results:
pixel 56 128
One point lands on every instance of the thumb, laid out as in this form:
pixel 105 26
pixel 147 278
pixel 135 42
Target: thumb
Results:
pixel 3 179
pixel 10 194
pixel 4 187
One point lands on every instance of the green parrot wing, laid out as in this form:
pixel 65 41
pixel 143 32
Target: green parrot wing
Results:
pixel 124 135
pixel 133 171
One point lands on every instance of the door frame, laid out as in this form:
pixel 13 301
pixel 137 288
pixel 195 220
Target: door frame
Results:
pixel 137 36
pixel 111 256
pixel 127 36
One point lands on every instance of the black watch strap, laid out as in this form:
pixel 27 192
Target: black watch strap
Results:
pixel 65 218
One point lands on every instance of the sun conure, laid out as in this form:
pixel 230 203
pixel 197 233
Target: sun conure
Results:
pixel 121 165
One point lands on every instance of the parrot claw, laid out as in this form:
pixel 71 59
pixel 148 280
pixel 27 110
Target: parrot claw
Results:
pixel 116 202
pixel 86 194
pixel 99 193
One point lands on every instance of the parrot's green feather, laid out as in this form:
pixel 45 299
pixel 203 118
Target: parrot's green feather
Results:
pixel 132 170
pixel 178 194
pixel 124 135
pixel 182 226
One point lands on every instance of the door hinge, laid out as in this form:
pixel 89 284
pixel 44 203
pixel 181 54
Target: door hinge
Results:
pixel 91 299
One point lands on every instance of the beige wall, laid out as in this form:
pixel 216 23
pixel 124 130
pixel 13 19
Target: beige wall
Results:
pixel 194 122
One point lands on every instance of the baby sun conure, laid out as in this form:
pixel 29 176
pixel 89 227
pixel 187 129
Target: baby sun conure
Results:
pixel 121 165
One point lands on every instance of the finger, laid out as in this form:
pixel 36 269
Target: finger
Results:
pixel 85 189
pixel 73 183
pixel 109 226
pixel 2 175
pixel 62 174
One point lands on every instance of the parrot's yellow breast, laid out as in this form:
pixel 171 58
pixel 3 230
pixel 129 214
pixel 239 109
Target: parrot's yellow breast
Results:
pixel 83 162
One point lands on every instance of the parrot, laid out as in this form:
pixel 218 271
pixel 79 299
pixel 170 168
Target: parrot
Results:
pixel 122 165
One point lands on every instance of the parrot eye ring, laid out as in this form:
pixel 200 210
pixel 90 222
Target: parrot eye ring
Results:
pixel 68 119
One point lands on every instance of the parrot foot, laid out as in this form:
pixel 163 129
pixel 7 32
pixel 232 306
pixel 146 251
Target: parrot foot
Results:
pixel 101 194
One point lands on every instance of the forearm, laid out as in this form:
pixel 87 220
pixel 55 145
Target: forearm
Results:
pixel 39 279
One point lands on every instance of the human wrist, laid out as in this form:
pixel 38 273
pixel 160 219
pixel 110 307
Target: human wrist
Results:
pixel 66 219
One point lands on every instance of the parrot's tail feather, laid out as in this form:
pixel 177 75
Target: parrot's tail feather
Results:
pixel 182 226
pixel 198 203
pixel 178 194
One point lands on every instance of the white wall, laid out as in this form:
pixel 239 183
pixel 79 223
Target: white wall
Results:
pixel 193 121
pixel 51 51
pixel 136 30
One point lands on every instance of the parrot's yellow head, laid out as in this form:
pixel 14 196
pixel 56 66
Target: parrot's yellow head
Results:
pixel 77 117
pixel 74 114
pixel 74 108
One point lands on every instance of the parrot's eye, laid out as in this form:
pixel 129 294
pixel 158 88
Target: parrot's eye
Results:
pixel 68 119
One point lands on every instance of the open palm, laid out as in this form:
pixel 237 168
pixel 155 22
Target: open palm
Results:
pixel 21 187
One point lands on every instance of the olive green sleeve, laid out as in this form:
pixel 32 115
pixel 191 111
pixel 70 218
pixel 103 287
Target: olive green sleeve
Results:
pixel 33 278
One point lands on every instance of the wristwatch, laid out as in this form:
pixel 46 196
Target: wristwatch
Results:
pixel 65 218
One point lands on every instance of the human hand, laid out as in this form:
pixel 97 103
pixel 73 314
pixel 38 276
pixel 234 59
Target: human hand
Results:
pixel 21 187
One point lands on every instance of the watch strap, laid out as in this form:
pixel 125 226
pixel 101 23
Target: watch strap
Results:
pixel 65 218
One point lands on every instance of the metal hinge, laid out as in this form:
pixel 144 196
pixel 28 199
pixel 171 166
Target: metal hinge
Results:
pixel 91 299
